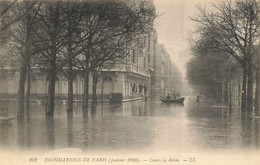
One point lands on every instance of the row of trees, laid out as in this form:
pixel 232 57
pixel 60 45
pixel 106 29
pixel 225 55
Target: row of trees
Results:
pixel 71 37
pixel 226 41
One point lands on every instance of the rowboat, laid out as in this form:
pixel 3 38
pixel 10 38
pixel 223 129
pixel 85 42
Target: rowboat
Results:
pixel 178 100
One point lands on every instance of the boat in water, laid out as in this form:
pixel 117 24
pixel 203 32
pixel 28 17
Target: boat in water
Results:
pixel 178 100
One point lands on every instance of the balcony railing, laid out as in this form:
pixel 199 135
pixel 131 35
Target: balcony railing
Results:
pixel 136 69
pixel 129 68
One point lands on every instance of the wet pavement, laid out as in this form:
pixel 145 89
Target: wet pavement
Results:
pixel 133 125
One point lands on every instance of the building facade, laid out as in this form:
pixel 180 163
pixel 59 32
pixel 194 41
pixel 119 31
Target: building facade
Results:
pixel 133 77
pixel 167 76
pixel 147 71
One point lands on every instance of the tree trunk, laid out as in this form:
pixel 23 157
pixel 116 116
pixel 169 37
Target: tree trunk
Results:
pixel 102 90
pixel 244 91
pixel 52 78
pixel 86 86
pixel 222 92
pixel 94 88
pixel 28 94
pixel 226 92
pixel 230 95
pixel 257 91
pixel 21 89
pixel 70 71
pixel 250 86
pixel 250 82
pixel 25 64
pixel 257 98
pixel 51 90
pixel 86 77
pixel 70 78
pixel 53 59
pixel 70 89
pixel 239 93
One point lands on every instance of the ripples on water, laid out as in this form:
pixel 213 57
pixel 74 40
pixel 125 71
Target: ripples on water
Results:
pixel 138 124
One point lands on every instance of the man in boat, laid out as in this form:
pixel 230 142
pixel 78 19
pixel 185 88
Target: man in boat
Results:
pixel 168 97
pixel 177 95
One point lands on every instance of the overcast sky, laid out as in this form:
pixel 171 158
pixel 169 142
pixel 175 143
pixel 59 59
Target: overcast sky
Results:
pixel 174 26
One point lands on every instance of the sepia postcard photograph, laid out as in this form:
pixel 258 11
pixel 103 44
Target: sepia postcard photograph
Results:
pixel 129 82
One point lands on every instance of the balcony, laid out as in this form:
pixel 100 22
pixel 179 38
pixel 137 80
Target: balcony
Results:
pixel 128 68
pixel 136 69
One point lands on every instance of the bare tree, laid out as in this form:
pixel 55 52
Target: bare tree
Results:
pixel 234 26
pixel 110 27
pixel 10 15
pixel 73 17
pixel 20 38
pixel 100 31
pixel 52 37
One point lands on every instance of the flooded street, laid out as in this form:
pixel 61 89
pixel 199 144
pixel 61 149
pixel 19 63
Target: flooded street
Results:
pixel 133 125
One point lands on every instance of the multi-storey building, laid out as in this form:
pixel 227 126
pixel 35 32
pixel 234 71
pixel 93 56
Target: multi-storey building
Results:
pixel 131 78
pixel 167 77
pixel 146 71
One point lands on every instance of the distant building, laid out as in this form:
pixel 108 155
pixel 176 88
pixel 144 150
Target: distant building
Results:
pixel 167 77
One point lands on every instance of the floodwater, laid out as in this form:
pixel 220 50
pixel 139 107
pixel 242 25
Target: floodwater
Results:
pixel 133 125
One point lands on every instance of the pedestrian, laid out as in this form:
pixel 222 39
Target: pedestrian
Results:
pixel 198 99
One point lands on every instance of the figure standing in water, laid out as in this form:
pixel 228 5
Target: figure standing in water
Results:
pixel 198 99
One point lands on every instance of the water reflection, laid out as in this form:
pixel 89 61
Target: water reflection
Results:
pixel 250 133
pixel 50 126
pixel 70 128
pixel 139 124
